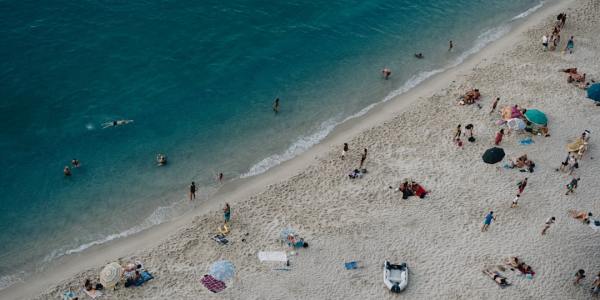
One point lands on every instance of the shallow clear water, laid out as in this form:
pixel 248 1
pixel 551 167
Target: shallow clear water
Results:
pixel 198 78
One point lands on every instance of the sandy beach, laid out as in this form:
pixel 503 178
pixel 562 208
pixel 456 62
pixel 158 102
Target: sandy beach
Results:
pixel 439 237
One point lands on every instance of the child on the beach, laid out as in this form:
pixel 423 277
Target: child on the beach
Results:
pixel 572 186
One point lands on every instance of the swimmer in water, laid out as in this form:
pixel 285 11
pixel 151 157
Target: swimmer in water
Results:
pixel 116 123
pixel 67 171
pixel 161 159
pixel 75 163
pixel 419 55
pixel 386 73
pixel 276 105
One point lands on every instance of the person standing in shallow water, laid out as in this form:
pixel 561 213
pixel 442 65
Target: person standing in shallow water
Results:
pixel 67 171
pixel 192 191
pixel 276 105
pixel 386 73
pixel 450 45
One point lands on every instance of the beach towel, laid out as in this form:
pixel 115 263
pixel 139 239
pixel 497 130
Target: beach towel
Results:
pixel 219 238
pixel 351 265
pixel 213 284
pixel 272 256
pixel 70 295
pixel 93 293
pixel 527 141
pixel 144 276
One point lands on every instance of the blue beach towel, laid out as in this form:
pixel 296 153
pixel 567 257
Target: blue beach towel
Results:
pixel 527 141
pixel 351 265
pixel 144 276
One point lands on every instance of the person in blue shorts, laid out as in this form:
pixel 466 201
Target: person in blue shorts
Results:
pixel 487 221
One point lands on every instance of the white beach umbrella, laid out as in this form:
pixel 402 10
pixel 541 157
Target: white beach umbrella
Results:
pixel 110 275
pixel 516 124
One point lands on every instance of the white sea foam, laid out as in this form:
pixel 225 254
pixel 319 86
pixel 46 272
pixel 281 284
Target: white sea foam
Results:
pixel 160 215
pixel 8 280
pixel 298 147
pixel 529 11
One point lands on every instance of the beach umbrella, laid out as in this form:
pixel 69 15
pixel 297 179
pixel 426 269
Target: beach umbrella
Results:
pixel 516 124
pixel 111 274
pixel 493 155
pixel 594 92
pixel 222 270
pixel 537 117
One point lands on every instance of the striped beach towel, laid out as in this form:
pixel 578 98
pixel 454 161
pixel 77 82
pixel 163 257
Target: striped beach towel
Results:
pixel 212 284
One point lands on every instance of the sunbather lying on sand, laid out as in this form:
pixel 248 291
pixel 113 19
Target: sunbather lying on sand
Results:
pixel 580 215
pixel 497 277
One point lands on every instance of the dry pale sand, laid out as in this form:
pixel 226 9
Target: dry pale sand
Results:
pixel 439 237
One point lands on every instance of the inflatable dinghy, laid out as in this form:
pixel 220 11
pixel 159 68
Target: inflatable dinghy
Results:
pixel 395 277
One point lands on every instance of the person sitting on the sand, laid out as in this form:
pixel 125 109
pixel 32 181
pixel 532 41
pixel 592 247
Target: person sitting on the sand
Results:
pixel 296 242
pixel 419 191
pixel 471 96
pixel 525 269
pixel 513 261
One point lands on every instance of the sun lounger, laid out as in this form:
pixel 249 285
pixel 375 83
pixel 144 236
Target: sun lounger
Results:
pixel 272 256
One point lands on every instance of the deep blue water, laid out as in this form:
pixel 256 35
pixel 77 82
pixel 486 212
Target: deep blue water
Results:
pixel 198 78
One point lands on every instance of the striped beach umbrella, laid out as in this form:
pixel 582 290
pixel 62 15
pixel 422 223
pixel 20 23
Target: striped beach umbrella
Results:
pixel 111 275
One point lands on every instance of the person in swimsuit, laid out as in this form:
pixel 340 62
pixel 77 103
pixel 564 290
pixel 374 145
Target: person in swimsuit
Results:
pixel 386 73
pixel 450 45
pixel 276 105
pixel 419 55
pixel 522 185
pixel 579 276
pixel 116 123
pixel 220 178
pixel 572 186
pixel 67 171
pixel 227 212
pixel 549 222
pixel 75 163
pixel 345 150
pixel 494 104
pixel 363 158
pixel 192 191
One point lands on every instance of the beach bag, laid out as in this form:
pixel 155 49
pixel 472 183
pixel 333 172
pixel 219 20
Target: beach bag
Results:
pixel 472 139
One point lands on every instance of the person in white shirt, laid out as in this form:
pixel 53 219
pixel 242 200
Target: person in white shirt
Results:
pixel 549 222
pixel 545 42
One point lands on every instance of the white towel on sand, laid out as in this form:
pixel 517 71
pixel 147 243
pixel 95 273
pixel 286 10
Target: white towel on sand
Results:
pixel 272 256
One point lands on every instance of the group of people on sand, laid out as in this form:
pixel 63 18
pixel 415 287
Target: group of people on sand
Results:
pixel 470 97
pixel 551 42
pixel 360 171
pixel 410 188
pixel 577 79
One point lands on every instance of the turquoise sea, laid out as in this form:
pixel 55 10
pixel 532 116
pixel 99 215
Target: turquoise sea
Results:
pixel 198 78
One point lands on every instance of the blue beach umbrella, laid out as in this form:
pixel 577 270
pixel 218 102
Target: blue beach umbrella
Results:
pixel 222 270
pixel 594 92
pixel 537 117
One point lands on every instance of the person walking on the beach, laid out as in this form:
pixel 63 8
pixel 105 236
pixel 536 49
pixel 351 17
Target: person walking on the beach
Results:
pixel 515 201
pixel 192 191
pixel 345 150
pixel 572 186
pixel 549 222
pixel 220 178
pixel 579 276
pixel 276 105
pixel 545 42
pixel 570 45
pixel 450 45
pixel 487 221
pixel 227 212
pixel 499 136
pixel 363 157
pixel 494 105
pixel 522 185
pixel 457 133
pixel 386 73
pixel 469 133
pixel 67 171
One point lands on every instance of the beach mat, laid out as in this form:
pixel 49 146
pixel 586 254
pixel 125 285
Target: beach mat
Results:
pixel 212 284
pixel 272 256
pixel 93 293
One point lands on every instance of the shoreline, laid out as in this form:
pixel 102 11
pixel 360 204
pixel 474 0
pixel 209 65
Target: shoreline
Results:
pixel 240 189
